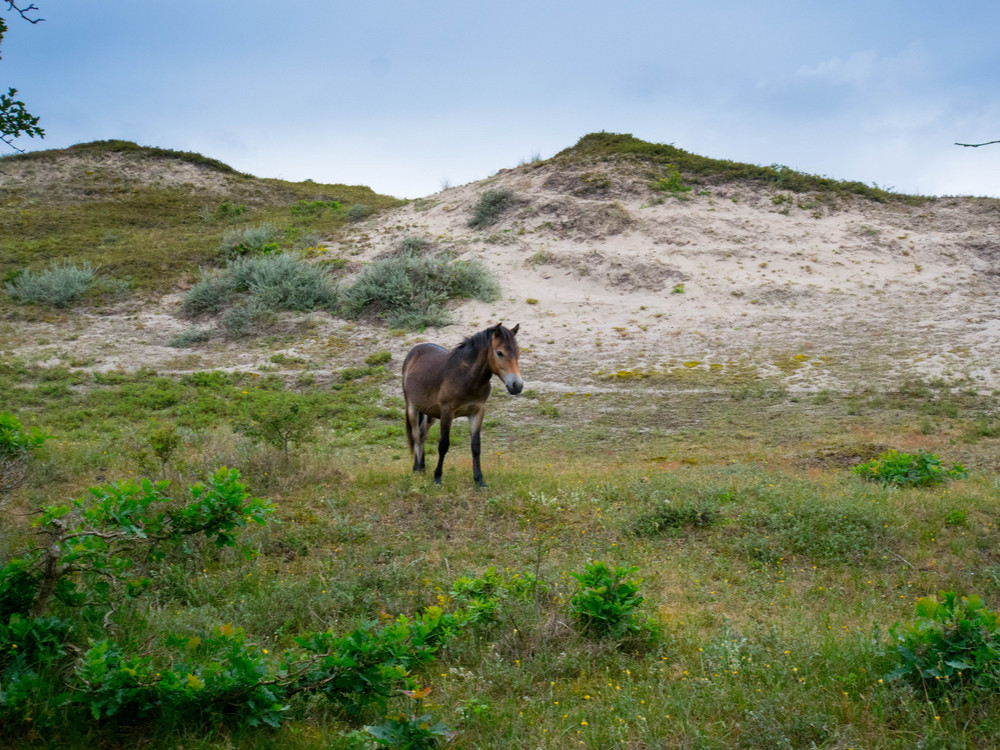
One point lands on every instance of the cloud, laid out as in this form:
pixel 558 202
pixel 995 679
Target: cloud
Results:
pixel 856 70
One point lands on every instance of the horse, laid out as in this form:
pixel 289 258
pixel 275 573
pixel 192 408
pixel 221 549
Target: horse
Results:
pixel 443 384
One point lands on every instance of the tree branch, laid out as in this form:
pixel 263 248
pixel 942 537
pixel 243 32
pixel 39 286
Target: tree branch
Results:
pixel 976 145
pixel 11 5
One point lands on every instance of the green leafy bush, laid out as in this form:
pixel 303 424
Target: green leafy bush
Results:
pixel 60 285
pixel 606 603
pixel 482 597
pixel 87 559
pixel 672 183
pixel 905 469
pixel 16 447
pixel 490 207
pixel 952 644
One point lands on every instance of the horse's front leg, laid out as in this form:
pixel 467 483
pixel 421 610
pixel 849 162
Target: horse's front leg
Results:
pixel 475 424
pixel 443 443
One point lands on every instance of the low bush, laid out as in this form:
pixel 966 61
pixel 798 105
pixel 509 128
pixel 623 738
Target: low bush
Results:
pixel 16 446
pixel 60 285
pixel 953 644
pixel 670 517
pixel 410 290
pixel 250 289
pixel 905 469
pixel 607 601
pixel 490 207
pixel 257 240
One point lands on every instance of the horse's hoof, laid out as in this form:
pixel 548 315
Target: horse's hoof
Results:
pixel 437 480
pixel 480 484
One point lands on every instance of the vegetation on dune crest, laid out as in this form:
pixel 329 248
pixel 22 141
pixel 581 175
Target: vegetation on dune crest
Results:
pixel 701 169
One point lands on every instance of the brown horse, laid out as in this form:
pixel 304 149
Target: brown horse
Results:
pixel 442 384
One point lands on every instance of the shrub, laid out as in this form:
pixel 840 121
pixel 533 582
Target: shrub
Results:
pixel 60 285
pixel 358 212
pixel 188 338
pixel 669 517
pixel 607 602
pixel 953 643
pixel 210 295
pixel 905 469
pixel 411 291
pixel 261 284
pixel 245 318
pixel 491 206
pixel 257 240
pixel 283 282
pixel 16 446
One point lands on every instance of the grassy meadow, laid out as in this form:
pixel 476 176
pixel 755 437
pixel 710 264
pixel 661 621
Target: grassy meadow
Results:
pixel 763 584
pixel 770 572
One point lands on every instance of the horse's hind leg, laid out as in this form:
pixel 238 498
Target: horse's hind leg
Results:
pixel 416 433
pixel 443 442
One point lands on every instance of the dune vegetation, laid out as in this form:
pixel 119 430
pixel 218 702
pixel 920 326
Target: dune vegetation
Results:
pixel 681 558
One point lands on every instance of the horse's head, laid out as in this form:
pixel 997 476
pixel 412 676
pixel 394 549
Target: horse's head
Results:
pixel 503 356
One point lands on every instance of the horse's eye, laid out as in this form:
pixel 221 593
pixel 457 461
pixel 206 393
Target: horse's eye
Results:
pixel 499 354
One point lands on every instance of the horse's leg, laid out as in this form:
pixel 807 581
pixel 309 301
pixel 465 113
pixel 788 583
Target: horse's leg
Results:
pixel 443 442
pixel 475 424
pixel 425 428
pixel 416 435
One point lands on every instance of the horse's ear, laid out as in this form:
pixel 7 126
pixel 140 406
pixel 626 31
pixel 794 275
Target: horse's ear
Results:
pixel 515 328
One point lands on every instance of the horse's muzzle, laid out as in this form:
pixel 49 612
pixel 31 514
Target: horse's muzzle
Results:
pixel 514 384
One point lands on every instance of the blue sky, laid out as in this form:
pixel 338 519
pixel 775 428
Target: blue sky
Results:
pixel 407 97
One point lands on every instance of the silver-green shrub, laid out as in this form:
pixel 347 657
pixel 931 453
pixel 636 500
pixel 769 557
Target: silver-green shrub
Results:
pixel 60 285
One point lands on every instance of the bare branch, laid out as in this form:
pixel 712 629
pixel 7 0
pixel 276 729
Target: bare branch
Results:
pixel 11 5
pixel 976 145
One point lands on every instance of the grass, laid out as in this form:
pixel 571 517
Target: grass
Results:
pixel 773 576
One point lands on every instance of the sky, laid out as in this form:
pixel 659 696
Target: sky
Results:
pixel 411 97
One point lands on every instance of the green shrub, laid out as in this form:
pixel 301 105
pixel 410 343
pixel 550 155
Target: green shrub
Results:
pixel 210 295
pixel 606 603
pixel 379 358
pixel 671 517
pixel 60 285
pixel 411 290
pixel 952 644
pixel 188 338
pixel 284 281
pixel 405 732
pixel 246 318
pixel 249 289
pixel 358 212
pixel 257 240
pixel 672 183
pixel 905 469
pixel 16 446
pixel 490 207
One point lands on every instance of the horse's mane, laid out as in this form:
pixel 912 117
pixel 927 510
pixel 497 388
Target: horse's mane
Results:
pixel 472 345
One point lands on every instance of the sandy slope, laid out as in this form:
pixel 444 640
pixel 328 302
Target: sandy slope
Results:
pixel 603 277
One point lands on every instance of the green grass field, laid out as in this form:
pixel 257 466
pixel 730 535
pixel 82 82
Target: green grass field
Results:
pixel 772 615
